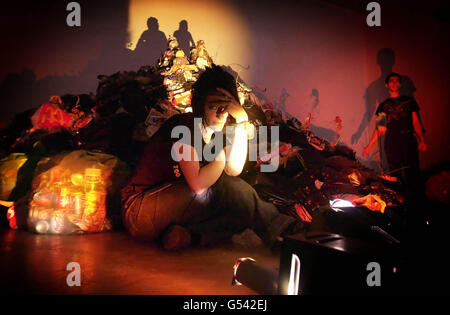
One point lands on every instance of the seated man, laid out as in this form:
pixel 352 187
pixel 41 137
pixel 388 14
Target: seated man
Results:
pixel 178 193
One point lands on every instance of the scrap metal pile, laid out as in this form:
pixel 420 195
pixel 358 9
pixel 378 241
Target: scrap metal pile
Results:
pixel 64 154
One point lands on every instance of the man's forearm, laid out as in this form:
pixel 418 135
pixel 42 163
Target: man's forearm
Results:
pixel 418 130
pixel 237 151
pixel 374 139
pixel 418 127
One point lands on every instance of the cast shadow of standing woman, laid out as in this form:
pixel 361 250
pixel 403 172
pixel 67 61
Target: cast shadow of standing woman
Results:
pixel 184 38
pixel 151 44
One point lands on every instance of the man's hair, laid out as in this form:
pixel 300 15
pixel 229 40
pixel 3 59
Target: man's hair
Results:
pixel 211 79
pixel 393 74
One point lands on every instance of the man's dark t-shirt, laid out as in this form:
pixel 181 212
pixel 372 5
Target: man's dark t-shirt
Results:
pixel 400 142
pixel 398 113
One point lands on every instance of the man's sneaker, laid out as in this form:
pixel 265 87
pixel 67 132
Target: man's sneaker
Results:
pixel 294 228
pixel 176 238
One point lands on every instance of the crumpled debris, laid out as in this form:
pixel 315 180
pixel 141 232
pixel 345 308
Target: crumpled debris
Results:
pixel 51 116
pixel 11 217
pixel 303 213
pixel 156 118
pixel 285 152
pixel 389 178
pixel 318 184
pixel 166 59
pixel 372 202
pixel 354 178
pixel 199 56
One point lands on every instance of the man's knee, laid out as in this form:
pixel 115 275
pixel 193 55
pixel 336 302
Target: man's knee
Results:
pixel 149 213
pixel 237 198
pixel 139 228
pixel 236 188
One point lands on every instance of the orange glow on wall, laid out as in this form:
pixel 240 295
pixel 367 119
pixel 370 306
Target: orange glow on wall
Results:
pixel 219 24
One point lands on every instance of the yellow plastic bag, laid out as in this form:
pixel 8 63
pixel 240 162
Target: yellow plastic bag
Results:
pixel 70 190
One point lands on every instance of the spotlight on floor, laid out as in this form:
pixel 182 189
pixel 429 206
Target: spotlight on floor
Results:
pixel 260 279
pixel 323 263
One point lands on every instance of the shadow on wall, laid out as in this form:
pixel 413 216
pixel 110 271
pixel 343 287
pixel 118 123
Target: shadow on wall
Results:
pixel 321 131
pixel 376 93
pixel 151 44
pixel 280 105
pixel 184 38
pixel 22 91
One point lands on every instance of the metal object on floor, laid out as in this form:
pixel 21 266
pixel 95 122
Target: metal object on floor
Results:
pixel 332 264
pixel 260 279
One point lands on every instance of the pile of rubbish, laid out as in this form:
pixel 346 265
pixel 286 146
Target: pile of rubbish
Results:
pixel 314 172
pixel 62 159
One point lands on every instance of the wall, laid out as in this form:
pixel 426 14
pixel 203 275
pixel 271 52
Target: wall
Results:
pixel 305 56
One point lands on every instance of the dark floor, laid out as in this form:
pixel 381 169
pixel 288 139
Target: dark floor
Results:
pixel 114 263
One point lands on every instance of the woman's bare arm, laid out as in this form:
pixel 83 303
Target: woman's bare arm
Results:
pixel 236 153
pixel 199 178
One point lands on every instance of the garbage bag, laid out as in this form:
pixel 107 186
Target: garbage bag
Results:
pixel 50 116
pixel 71 192
pixel 9 167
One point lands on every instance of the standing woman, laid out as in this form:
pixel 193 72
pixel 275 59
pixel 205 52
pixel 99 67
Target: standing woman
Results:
pixel 180 195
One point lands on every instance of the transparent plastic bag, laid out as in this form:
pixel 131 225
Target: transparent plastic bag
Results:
pixel 70 192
